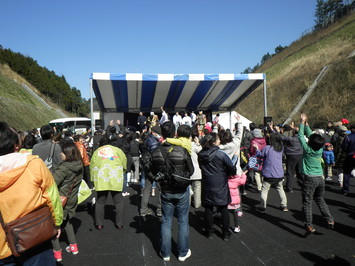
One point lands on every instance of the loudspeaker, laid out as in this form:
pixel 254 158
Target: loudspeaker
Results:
pixel 267 120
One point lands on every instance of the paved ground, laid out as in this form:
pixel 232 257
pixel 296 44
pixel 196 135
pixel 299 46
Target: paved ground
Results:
pixel 274 238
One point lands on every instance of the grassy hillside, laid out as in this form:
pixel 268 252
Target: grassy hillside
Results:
pixel 19 108
pixel 293 70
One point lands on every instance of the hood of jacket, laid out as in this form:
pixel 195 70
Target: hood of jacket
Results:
pixel 206 156
pixel 74 166
pixel 257 133
pixel 259 141
pixel 12 167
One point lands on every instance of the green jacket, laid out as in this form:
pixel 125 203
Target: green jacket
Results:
pixel 68 177
pixel 107 165
pixel 312 160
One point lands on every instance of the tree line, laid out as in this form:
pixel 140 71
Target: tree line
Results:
pixel 47 82
pixel 330 10
pixel 327 11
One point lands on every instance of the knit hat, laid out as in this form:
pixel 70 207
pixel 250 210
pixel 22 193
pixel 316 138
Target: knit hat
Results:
pixel 257 133
pixel 345 121
pixel 156 129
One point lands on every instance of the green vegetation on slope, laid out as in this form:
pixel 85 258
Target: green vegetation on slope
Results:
pixel 293 70
pixel 46 82
pixel 18 107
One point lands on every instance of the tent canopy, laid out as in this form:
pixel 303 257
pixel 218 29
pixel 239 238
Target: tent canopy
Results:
pixel 174 92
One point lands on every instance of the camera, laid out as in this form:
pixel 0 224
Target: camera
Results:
pixel 159 176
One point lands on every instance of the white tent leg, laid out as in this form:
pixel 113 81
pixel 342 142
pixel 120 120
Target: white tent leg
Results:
pixel 92 109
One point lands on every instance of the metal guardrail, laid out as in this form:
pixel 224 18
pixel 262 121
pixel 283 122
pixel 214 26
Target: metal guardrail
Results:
pixel 60 112
pixel 43 102
pixel 310 90
pixel 36 96
pixel 307 94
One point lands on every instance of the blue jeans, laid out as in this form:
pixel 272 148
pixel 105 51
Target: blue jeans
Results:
pixel 124 189
pixel 154 184
pixel 44 257
pixel 169 203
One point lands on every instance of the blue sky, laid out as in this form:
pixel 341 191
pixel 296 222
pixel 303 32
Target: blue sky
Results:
pixel 77 38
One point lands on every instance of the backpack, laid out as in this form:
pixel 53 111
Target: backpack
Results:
pixel 244 157
pixel 146 160
pixel 49 160
pixel 255 163
pixel 168 175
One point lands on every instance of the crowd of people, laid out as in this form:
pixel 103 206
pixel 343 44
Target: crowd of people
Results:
pixel 185 159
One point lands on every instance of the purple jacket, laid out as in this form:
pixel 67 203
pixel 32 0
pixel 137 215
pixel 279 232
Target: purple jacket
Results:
pixel 272 164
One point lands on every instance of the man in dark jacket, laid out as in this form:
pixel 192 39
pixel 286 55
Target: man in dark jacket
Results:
pixel 293 151
pixel 174 195
pixel 348 146
pixel 141 121
pixel 43 149
pixel 150 144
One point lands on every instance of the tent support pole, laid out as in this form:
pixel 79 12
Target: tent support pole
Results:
pixel 230 120
pixel 265 100
pixel 92 109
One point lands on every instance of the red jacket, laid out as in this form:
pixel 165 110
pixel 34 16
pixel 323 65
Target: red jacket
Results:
pixel 261 142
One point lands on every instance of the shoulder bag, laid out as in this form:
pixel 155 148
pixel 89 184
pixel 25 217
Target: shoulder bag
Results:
pixel 29 231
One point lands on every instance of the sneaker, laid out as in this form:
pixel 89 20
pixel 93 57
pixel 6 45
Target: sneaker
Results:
pixel 188 254
pixel 164 258
pixel 209 234
pixel 191 191
pixel 310 230
pixel 57 255
pixel 260 209
pixel 99 227
pixel 72 248
pixel 124 194
pixel 328 179
pixel 153 192
pixel 148 212
pixel 236 229
pixel 284 209
pixel 331 225
pixel 226 237
pixel 159 213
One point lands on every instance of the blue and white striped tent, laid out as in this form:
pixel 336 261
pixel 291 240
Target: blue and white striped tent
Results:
pixel 175 92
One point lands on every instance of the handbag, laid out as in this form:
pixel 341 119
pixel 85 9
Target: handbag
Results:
pixel 84 191
pixel 63 200
pixel 29 231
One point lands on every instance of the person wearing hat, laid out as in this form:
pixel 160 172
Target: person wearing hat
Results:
pixel 257 143
pixel 344 124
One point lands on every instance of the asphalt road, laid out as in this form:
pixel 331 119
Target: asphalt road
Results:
pixel 273 238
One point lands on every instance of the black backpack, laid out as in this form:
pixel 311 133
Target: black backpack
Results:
pixel 168 175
